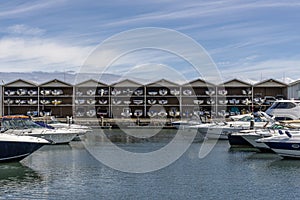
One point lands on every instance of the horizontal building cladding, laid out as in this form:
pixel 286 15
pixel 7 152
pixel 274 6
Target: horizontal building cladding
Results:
pixel 128 98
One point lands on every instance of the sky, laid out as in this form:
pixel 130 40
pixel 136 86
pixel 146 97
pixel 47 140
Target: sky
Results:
pixel 245 39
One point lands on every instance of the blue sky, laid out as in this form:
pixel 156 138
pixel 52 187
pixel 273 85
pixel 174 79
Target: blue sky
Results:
pixel 246 39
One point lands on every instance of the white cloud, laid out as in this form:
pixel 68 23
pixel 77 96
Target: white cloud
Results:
pixel 23 29
pixel 29 54
pixel 282 69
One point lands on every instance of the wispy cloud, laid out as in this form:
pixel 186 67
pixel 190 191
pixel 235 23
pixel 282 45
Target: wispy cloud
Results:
pixel 22 29
pixel 18 54
pixel 10 9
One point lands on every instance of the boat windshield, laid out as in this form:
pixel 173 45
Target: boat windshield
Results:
pixel 249 118
pixel 19 124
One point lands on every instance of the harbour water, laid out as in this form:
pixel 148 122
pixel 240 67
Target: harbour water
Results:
pixel 71 172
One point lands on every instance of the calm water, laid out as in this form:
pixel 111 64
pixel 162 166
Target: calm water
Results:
pixel 70 172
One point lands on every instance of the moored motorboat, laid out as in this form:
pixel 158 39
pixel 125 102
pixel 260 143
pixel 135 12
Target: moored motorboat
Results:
pixel 286 145
pixel 17 147
pixel 185 124
pixel 23 125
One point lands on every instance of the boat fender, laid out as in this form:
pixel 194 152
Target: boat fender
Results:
pixel 280 132
pixel 288 134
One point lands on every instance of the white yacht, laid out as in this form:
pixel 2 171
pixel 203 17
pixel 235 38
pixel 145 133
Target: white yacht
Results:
pixel 23 125
pixel 221 130
pixel 287 144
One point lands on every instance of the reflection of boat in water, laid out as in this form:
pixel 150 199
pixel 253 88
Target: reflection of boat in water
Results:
pixel 17 147
pixel 18 173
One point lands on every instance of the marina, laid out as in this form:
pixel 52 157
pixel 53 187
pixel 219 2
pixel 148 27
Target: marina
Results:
pixel 70 172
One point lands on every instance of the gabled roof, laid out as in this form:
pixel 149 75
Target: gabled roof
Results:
pixel 270 83
pixel 55 83
pixel 91 83
pixel 235 83
pixel 198 83
pixel 162 83
pixel 127 83
pixel 20 83
pixel 294 83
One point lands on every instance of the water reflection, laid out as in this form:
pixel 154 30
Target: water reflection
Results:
pixel 16 171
